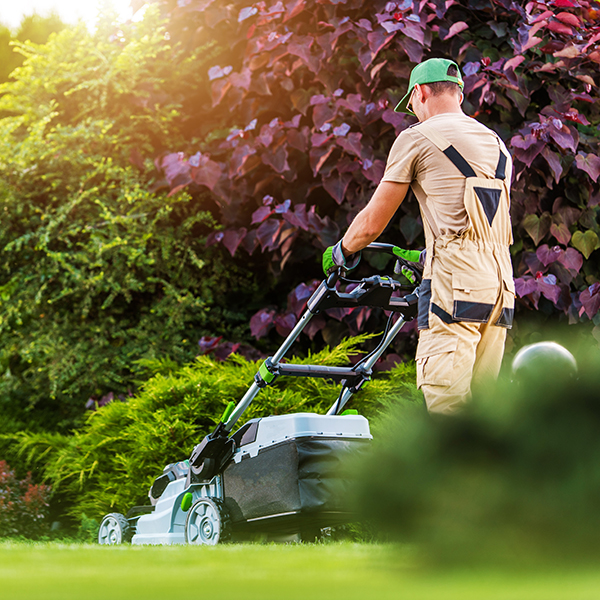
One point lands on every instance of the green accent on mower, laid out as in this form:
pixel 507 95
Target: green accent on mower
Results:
pixel 349 411
pixel 265 374
pixel 228 412
pixel 186 501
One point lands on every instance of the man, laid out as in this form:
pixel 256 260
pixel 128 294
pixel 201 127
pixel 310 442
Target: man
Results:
pixel 459 171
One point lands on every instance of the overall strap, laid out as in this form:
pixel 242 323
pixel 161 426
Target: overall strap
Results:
pixel 455 156
pixel 501 167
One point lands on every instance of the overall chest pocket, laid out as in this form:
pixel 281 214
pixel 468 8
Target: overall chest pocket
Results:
pixel 474 296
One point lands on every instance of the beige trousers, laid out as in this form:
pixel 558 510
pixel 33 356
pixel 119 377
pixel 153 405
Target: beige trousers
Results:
pixel 451 358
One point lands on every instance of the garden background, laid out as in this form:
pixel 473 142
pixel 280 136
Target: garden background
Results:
pixel 168 186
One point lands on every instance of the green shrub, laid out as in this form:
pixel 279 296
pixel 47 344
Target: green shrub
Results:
pixel 110 462
pixel 99 269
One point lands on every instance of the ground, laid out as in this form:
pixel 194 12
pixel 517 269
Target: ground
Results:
pixel 53 571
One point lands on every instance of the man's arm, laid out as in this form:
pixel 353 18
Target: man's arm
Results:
pixel 370 222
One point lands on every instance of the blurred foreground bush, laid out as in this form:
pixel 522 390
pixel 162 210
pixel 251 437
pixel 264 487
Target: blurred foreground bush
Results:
pixel 110 462
pixel 515 478
pixel 23 505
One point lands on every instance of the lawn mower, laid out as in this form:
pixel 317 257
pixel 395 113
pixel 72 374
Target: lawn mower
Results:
pixel 276 475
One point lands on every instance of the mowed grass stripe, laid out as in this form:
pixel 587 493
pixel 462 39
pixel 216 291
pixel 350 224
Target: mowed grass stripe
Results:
pixel 264 572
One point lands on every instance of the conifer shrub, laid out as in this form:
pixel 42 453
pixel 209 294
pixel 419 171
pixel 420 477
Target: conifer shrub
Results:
pixel 110 462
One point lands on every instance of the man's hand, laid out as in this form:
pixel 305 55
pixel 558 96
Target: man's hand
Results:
pixel 409 255
pixel 333 259
pixel 413 256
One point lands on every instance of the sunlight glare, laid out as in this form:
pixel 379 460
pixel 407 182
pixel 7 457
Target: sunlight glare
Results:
pixel 70 11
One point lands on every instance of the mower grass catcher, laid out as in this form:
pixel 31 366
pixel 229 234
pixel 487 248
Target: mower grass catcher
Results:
pixel 278 475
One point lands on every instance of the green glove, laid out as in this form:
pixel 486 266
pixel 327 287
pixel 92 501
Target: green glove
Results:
pixel 409 255
pixel 333 259
pixel 409 275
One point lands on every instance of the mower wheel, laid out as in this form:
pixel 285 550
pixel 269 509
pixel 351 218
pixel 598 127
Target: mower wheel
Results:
pixel 114 529
pixel 207 522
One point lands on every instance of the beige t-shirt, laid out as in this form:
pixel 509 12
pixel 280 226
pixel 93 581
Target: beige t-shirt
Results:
pixel 434 179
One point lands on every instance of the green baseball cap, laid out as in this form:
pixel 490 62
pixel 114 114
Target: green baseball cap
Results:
pixel 430 71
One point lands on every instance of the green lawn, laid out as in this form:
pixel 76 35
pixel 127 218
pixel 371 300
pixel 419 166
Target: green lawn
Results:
pixel 263 572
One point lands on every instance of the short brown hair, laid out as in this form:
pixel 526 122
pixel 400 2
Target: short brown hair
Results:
pixel 445 87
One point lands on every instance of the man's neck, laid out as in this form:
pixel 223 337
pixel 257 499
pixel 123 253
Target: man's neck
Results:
pixel 439 105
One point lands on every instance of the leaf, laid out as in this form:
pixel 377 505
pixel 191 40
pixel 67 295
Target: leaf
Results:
pixel 572 260
pixel 207 172
pixel 547 255
pixel 586 242
pixel 323 113
pixel 590 299
pixel 525 286
pixel 246 13
pixel 238 159
pixel 569 19
pixel 336 186
pixel 261 322
pixel 567 52
pixel 549 288
pixel 217 72
pixel 285 323
pixel 590 163
pixel 558 27
pixel 553 160
pixel 513 63
pixel 232 239
pixel 176 169
pixel 586 79
pixel 377 40
pixel 455 29
pixel 297 139
pixel 298 218
pixel 561 232
pixel 537 227
pixel 277 159
pixel 267 234
pixel 318 156
pixel 564 136
pixel 298 297
pixel 352 143
pixel 528 155
pixel 261 214
pixel 411 228
pixel 301 100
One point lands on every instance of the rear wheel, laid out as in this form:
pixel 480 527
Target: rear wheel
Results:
pixel 207 523
pixel 114 529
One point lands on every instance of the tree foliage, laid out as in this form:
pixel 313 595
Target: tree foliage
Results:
pixel 33 28
pixel 304 96
pixel 99 270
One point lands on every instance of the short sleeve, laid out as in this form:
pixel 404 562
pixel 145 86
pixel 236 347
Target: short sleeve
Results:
pixel 401 163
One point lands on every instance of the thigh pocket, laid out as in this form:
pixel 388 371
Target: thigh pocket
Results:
pixel 508 304
pixel 435 359
pixel 474 296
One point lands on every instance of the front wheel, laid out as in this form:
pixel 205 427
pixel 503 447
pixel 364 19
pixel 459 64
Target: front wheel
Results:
pixel 207 523
pixel 114 529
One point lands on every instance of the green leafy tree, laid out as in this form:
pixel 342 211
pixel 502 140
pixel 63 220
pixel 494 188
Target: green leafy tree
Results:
pixel 100 267
pixel 34 28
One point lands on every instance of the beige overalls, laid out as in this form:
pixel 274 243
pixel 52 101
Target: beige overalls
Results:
pixel 467 295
